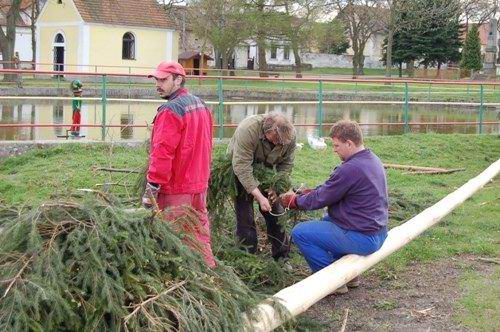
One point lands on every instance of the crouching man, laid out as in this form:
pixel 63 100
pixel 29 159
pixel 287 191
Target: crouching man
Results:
pixel 357 202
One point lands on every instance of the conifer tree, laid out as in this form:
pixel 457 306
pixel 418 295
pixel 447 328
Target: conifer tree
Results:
pixel 471 54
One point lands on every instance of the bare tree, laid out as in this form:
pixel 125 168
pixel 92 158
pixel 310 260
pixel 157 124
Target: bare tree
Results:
pixel 8 38
pixel 168 4
pixel 298 25
pixel 478 11
pixel 222 23
pixel 362 19
pixel 32 12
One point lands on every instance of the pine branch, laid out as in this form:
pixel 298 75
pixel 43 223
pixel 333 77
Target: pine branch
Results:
pixel 153 298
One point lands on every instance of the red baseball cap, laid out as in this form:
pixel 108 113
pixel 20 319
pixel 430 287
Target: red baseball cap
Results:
pixel 166 68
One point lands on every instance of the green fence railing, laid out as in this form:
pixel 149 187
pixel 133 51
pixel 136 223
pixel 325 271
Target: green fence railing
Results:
pixel 318 91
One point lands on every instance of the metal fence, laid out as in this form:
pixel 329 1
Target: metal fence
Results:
pixel 312 91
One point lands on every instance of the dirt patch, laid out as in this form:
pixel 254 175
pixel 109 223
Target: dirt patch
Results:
pixel 421 298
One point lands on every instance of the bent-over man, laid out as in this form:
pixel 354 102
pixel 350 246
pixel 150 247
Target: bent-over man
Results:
pixel 270 140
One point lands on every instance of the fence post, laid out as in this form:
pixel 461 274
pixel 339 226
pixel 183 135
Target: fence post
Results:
pixel 103 104
pixel 405 110
pixel 481 108
pixel 129 81
pixel 220 108
pixel 319 113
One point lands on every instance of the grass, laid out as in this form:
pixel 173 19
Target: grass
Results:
pixel 480 309
pixel 472 228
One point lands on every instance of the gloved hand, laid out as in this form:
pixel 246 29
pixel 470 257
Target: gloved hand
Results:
pixel 289 200
pixel 272 196
pixel 303 191
pixel 150 195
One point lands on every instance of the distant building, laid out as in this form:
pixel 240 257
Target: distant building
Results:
pixel 278 53
pixel 117 35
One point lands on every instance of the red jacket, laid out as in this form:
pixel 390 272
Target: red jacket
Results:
pixel 181 145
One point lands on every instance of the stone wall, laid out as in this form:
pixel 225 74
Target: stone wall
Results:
pixel 321 60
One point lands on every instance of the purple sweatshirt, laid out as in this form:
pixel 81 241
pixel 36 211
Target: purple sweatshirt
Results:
pixel 355 193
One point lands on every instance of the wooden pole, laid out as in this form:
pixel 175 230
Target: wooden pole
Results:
pixel 299 297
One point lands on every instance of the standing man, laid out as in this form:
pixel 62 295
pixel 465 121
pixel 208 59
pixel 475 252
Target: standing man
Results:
pixel 180 153
pixel 76 104
pixel 268 139
pixel 17 65
pixel 357 202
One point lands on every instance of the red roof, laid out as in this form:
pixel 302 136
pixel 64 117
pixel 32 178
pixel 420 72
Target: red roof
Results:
pixel 140 13
pixel 4 9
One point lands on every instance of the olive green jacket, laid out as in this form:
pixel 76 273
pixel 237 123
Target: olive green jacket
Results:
pixel 249 146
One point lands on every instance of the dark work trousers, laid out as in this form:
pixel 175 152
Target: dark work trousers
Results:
pixel 247 232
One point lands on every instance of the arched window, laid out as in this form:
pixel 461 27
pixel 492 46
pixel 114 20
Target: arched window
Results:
pixel 128 46
pixel 59 38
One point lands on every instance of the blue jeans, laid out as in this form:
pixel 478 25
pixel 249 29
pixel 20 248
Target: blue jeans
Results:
pixel 322 242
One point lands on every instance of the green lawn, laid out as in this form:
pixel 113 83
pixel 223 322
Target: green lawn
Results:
pixel 472 228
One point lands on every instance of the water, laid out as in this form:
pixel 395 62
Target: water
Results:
pixel 123 115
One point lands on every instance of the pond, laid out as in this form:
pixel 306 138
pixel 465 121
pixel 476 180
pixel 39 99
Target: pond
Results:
pixel 123 116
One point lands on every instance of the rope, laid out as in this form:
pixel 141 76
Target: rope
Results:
pixel 286 208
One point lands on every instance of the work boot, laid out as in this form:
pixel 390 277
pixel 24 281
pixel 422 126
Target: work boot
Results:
pixel 341 290
pixel 354 283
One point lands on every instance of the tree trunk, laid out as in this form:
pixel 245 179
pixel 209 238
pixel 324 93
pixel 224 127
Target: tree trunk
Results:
pixel 261 40
pixel 261 54
pixel 410 68
pixel 390 40
pixel 438 73
pixel 298 62
pixel 388 53
pixel 361 64
pixel 354 59
pixel 225 59
pixel 8 39
pixel 358 59
pixel 358 63
pixel 218 56
pixel 400 69
pixel 35 10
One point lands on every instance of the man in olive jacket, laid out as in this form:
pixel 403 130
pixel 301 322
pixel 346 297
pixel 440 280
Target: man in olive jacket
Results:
pixel 270 140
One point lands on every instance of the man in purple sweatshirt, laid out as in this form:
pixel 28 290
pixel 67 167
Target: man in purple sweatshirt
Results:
pixel 357 202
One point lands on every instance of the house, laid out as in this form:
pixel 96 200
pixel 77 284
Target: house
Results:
pixel 23 43
pixel 278 54
pixel 114 36
pixel 192 61
pixel 193 51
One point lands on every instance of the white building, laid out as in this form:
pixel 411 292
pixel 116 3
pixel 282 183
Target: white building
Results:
pixel 277 53
pixel 23 31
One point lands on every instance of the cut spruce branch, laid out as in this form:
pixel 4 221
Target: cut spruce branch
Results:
pixel 422 169
pixel 116 170
pixel 222 186
pixel 89 264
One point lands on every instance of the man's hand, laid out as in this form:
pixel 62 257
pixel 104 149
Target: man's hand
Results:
pixel 150 195
pixel 261 199
pixel 264 204
pixel 289 200
pixel 272 196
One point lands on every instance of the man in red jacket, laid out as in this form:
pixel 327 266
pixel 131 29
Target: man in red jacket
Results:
pixel 180 153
